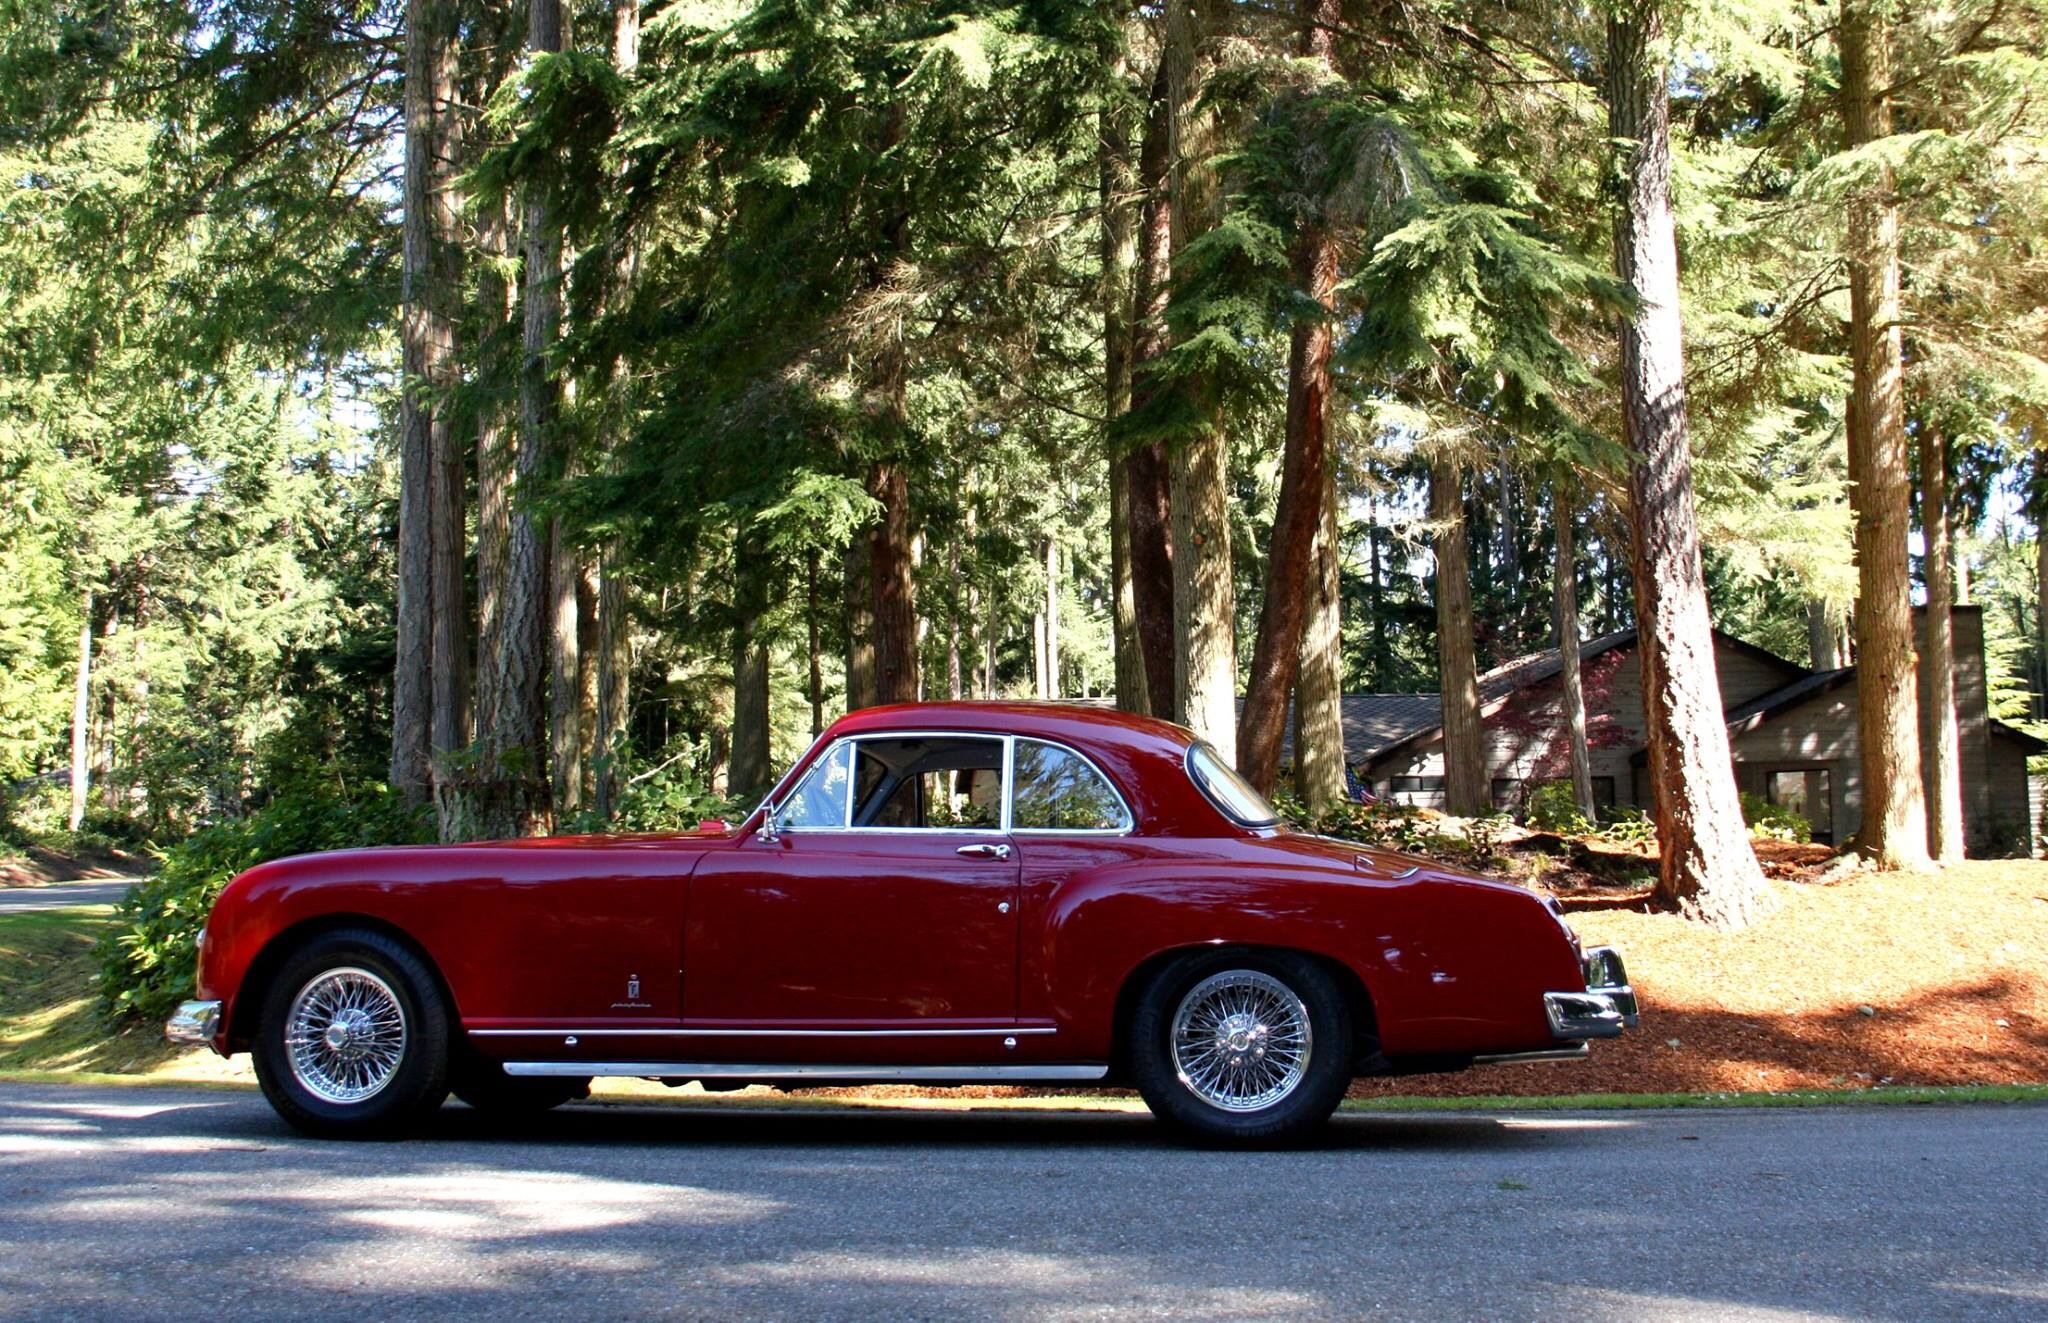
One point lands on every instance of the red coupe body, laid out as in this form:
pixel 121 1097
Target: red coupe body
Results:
pixel 922 942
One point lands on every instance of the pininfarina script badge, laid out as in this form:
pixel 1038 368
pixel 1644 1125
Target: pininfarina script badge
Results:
pixel 632 1001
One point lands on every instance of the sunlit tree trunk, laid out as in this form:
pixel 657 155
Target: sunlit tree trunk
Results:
pixel 1319 688
pixel 895 608
pixel 425 709
pixel 750 774
pixel 1204 592
pixel 1944 755
pixel 1466 791
pixel 81 717
pixel 1705 862
pixel 1894 830
pixel 494 463
pixel 1823 637
pixel 1304 462
pixel 1565 589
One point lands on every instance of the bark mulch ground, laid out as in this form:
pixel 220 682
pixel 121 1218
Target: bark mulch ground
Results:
pixel 1904 978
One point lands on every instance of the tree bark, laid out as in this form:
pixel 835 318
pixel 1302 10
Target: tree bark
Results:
pixel 1119 254
pixel 1052 618
pixel 425 708
pixel 1466 792
pixel 81 718
pixel 1894 831
pixel 1565 588
pixel 861 685
pixel 1147 474
pixel 565 684
pixel 749 778
pixel 1945 830
pixel 1304 461
pixel 493 475
pixel 1319 687
pixel 1822 637
pixel 1204 592
pixel 816 688
pixel 518 801
pixel 895 607
pixel 1706 865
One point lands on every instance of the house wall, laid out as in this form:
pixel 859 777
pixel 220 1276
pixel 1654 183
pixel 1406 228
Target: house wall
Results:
pixel 1524 735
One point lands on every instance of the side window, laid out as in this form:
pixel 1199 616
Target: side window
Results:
pixel 1058 790
pixel 935 783
pixel 821 800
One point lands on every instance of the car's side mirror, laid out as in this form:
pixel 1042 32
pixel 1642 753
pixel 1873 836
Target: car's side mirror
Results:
pixel 771 822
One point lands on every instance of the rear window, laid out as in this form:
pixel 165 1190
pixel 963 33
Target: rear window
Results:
pixel 1228 791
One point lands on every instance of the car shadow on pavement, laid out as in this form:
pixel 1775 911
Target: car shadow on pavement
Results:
pixel 798 1126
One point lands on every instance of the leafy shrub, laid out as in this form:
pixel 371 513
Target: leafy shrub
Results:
pixel 1386 825
pixel 1773 822
pixel 669 792
pixel 1628 824
pixel 1553 807
pixel 147 958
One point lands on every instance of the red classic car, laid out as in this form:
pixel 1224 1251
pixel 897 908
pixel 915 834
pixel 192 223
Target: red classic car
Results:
pixel 948 893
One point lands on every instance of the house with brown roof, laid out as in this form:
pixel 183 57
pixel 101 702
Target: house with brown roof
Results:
pixel 1792 732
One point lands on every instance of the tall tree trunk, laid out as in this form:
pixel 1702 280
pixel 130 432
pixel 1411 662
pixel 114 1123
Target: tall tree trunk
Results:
pixel 749 778
pixel 81 718
pixel 1304 462
pixel 1822 634
pixel 613 642
pixel 1147 474
pixel 494 463
pixel 427 357
pixel 1946 832
pixel 520 801
pixel 1053 688
pixel 862 688
pixel 1705 862
pixel 1466 792
pixel 1319 687
pixel 1119 255
pixel 565 683
pixel 1565 588
pixel 1894 831
pixel 1204 592
pixel 816 689
pixel 895 606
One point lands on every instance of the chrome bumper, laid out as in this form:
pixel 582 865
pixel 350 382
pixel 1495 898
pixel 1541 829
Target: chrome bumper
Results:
pixel 1604 1009
pixel 195 1022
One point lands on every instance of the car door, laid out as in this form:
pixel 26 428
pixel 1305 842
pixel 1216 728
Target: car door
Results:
pixel 877 922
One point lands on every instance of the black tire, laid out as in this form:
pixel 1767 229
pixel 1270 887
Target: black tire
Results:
pixel 410 1089
pixel 1306 1105
pixel 485 1086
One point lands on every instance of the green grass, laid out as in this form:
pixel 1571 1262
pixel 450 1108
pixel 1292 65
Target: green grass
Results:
pixel 50 1016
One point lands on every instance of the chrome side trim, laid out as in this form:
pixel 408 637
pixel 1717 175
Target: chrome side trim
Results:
pixel 1576 1052
pixel 699 1070
pixel 194 1022
pixel 1004 1032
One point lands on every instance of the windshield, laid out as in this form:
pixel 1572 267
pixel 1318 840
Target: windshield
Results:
pixel 1227 790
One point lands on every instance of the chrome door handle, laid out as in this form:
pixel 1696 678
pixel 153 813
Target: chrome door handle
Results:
pixel 984 851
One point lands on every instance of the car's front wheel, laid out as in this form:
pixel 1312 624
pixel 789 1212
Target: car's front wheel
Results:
pixel 1243 1047
pixel 353 1037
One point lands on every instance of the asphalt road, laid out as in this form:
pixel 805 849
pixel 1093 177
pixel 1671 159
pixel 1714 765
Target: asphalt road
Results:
pixel 63 895
pixel 148 1203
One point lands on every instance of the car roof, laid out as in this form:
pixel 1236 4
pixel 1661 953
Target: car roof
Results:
pixel 1077 723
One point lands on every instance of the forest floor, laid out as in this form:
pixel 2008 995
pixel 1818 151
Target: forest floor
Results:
pixel 37 866
pixel 1857 981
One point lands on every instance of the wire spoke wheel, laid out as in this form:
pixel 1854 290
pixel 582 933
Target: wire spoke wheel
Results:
pixel 1241 1040
pixel 345 1035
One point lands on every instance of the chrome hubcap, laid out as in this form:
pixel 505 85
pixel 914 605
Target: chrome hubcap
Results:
pixel 1241 1040
pixel 345 1035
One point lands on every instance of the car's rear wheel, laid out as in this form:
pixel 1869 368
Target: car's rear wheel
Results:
pixel 485 1086
pixel 352 1041
pixel 1242 1046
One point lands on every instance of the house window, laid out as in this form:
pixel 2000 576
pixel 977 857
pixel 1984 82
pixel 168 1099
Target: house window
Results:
pixel 1808 792
pixel 1414 787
